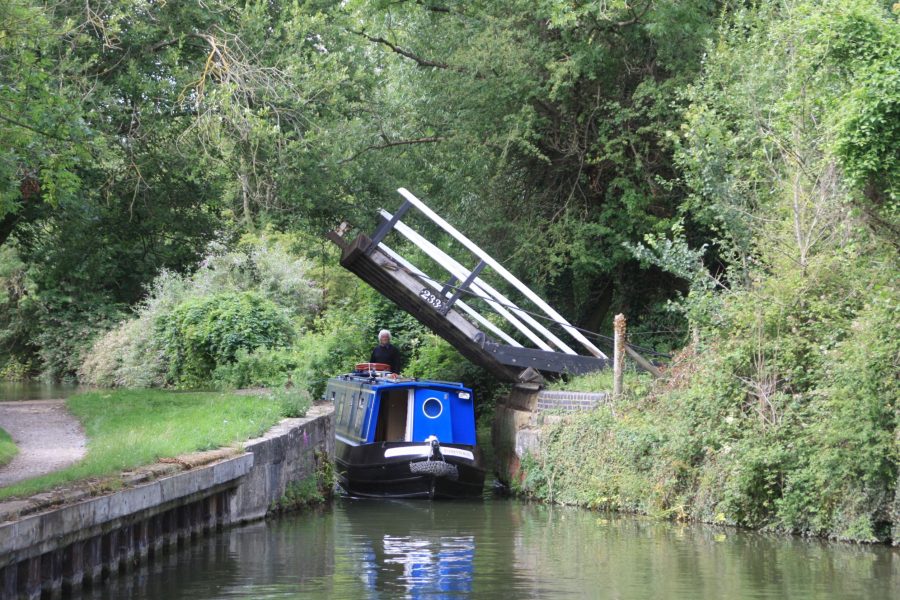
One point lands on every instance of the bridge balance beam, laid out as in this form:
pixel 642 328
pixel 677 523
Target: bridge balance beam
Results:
pixel 363 257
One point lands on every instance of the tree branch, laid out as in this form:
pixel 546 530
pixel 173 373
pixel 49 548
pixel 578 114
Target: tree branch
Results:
pixel 433 8
pixel 422 62
pixel 38 131
pixel 635 17
pixel 391 144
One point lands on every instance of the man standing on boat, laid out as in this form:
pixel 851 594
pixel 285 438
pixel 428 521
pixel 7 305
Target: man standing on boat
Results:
pixel 386 353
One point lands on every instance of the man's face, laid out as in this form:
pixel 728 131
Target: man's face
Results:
pixel 384 340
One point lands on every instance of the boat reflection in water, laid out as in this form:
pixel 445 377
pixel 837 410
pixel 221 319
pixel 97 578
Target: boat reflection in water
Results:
pixel 422 556
pixel 499 549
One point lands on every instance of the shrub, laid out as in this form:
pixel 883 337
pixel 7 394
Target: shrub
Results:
pixel 292 401
pixel 203 333
pixel 103 363
pixel 267 367
pixel 63 329
pixel 15 370
pixel 848 473
pixel 8 449
pixel 137 352
pixel 333 349
pixel 785 419
pixel 127 356
pixel 264 265
pixel 131 355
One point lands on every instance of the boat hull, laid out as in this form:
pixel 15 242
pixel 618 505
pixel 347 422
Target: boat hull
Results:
pixel 365 471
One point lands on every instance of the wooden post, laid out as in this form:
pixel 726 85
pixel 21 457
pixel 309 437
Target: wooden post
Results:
pixel 618 354
pixel 29 575
pixel 126 547
pixel 73 567
pixel 9 581
pixel 156 539
pixel 93 560
pixel 110 555
pixel 141 540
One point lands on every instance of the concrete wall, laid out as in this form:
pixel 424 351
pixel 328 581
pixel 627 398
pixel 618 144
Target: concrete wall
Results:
pixel 518 419
pixel 87 541
pixel 289 452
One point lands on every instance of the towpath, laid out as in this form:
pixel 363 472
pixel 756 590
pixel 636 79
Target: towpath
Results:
pixel 48 436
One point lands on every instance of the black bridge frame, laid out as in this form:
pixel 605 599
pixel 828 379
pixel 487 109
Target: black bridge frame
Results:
pixel 363 257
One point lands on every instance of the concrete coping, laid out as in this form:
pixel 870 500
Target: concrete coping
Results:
pixel 81 518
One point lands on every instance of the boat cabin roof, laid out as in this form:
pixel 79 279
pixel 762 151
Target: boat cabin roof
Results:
pixel 385 380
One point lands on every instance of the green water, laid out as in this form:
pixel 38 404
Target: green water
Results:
pixel 35 391
pixel 505 549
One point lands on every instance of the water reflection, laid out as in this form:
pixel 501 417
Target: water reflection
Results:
pixel 421 556
pixel 506 549
pixel 14 390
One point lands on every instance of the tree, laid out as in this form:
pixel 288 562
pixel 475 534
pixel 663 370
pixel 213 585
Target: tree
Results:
pixel 791 113
pixel 539 128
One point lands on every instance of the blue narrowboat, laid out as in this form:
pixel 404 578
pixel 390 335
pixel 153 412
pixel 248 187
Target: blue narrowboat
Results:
pixel 397 437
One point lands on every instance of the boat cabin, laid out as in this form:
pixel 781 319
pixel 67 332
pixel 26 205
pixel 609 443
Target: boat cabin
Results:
pixel 379 409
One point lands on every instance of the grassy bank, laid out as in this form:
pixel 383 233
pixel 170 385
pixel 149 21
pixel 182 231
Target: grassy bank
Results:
pixel 130 428
pixel 637 383
pixel 7 448
pixel 698 446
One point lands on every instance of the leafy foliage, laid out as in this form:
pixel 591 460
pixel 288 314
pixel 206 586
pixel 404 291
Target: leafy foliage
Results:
pixel 268 367
pixel 864 45
pixel 268 293
pixel 784 414
pixel 548 122
pixel 205 332
pixel 315 489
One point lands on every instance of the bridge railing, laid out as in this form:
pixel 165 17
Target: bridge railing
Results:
pixel 472 284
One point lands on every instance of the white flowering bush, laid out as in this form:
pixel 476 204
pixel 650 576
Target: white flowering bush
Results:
pixel 134 353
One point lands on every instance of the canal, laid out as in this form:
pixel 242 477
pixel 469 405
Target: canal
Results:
pixel 30 390
pixel 504 548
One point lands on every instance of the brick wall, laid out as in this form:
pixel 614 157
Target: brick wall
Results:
pixel 569 401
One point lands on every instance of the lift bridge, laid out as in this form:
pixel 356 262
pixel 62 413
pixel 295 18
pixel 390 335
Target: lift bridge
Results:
pixel 442 307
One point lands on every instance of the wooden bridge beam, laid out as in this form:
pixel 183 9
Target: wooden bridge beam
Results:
pixel 364 258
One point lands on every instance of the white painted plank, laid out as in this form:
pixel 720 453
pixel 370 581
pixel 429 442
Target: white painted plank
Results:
pixel 460 272
pixel 459 303
pixel 502 271
pixel 502 300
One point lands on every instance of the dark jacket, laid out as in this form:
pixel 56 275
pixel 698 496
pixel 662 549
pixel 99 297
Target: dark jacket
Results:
pixel 388 355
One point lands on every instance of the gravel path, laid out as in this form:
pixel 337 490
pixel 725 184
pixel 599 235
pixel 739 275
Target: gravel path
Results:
pixel 48 436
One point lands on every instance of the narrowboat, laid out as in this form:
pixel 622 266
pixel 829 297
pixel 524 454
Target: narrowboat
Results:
pixel 398 437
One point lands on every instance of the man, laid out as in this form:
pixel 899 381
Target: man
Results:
pixel 385 353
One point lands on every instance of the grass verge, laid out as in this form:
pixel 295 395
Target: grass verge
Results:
pixel 634 381
pixel 131 428
pixel 7 448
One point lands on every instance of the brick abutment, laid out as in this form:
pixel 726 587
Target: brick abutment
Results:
pixel 519 419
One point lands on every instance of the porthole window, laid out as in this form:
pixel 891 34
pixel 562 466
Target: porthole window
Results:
pixel 432 408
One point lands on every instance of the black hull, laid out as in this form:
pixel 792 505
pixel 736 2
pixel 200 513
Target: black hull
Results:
pixel 364 472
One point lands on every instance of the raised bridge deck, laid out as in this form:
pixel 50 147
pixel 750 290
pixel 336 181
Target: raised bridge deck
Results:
pixel 436 308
